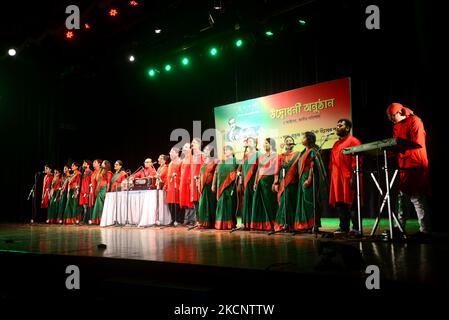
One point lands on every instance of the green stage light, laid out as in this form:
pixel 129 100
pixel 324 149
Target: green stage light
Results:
pixel 213 51
pixel 185 61
pixel 167 67
pixel 151 72
pixel 239 43
pixel 302 22
pixel 269 33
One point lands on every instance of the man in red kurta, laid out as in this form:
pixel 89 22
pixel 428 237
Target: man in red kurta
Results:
pixel 185 198
pixel 171 185
pixel 147 171
pixel 85 187
pixel 342 194
pixel 46 187
pixel 414 183
pixel 197 161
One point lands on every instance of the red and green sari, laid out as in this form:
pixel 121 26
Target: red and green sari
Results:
pixel 117 179
pixel 288 190
pixel 249 167
pixel 62 199
pixel 52 214
pixel 72 212
pixel 265 202
pixel 310 165
pixel 226 195
pixel 102 187
pixel 208 202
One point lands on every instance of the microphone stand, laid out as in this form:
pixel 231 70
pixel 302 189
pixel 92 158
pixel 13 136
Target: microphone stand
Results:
pixel 116 223
pixel 127 194
pixel 175 216
pixel 242 226
pixel 32 196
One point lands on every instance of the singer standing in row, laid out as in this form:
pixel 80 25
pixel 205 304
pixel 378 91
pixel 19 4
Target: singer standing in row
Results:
pixel 342 194
pixel 265 202
pixel 224 184
pixel 161 173
pixel 208 202
pixel 62 199
pixel 312 185
pixel 197 161
pixel 93 182
pixel 286 186
pixel 72 213
pixel 171 185
pixel 249 169
pixel 102 186
pixel 119 176
pixel 52 214
pixel 85 188
pixel 46 187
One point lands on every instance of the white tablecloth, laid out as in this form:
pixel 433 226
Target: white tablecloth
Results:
pixel 144 207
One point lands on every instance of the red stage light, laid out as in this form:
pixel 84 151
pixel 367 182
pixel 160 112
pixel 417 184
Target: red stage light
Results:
pixel 133 3
pixel 113 12
pixel 69 34
pixel 86 26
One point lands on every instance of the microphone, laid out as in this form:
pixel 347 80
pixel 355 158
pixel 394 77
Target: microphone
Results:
pixel 128 172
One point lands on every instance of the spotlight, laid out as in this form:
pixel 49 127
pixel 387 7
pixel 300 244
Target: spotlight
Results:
pixel 185 61
pixel 12 52
pixel 302 22
pixel 239 43
pixel 152 72
pixel 213 51
pixel 133 3
pixel 167 68
pixel 69 34
pixel 131 58
pixel 157 30
pixel 269 33
pixel 86 26
pixel 113 12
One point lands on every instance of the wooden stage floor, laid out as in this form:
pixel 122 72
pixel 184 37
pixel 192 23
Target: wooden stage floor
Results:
pixel 173 257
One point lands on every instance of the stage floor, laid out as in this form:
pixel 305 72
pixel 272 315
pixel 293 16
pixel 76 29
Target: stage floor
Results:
pixel 409 262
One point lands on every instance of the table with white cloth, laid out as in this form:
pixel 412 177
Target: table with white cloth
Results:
pixel 143 208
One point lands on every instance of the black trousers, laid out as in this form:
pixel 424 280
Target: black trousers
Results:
pixel 347 213
pixel 176 213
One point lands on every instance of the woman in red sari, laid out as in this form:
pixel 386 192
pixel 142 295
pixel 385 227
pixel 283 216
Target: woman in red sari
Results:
pixel 119 176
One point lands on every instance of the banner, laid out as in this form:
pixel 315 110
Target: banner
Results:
pixel 315 108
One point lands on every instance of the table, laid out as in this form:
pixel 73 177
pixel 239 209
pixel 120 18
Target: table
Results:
pixel 144 206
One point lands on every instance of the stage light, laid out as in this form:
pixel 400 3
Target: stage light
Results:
pixel 133 3
pixel 152 72
pixel 213 51
pixel 239 43
pixel 131 58
pixel 157 30
pixel 302 22
pixel 167 68
pixel 113 12
pixel 185 61
pixel 269 33
pixel 12 52
pixel 69 34
pixel 87 26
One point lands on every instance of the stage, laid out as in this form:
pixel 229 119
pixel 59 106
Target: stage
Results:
pixel 182 265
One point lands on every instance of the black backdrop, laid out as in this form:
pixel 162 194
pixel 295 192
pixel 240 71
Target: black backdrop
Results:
pixel 60 103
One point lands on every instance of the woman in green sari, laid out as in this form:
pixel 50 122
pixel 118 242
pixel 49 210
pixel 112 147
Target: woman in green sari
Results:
pixel 73 210
pixel 312 186
pixel 208 202
pixel 62 198
pixel 224 184
pixel 286 185
pixel 102 186
pixel 249 169
pixel 265 199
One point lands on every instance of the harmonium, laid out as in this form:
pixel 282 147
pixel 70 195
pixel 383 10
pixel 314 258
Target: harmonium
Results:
pixel 147 183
